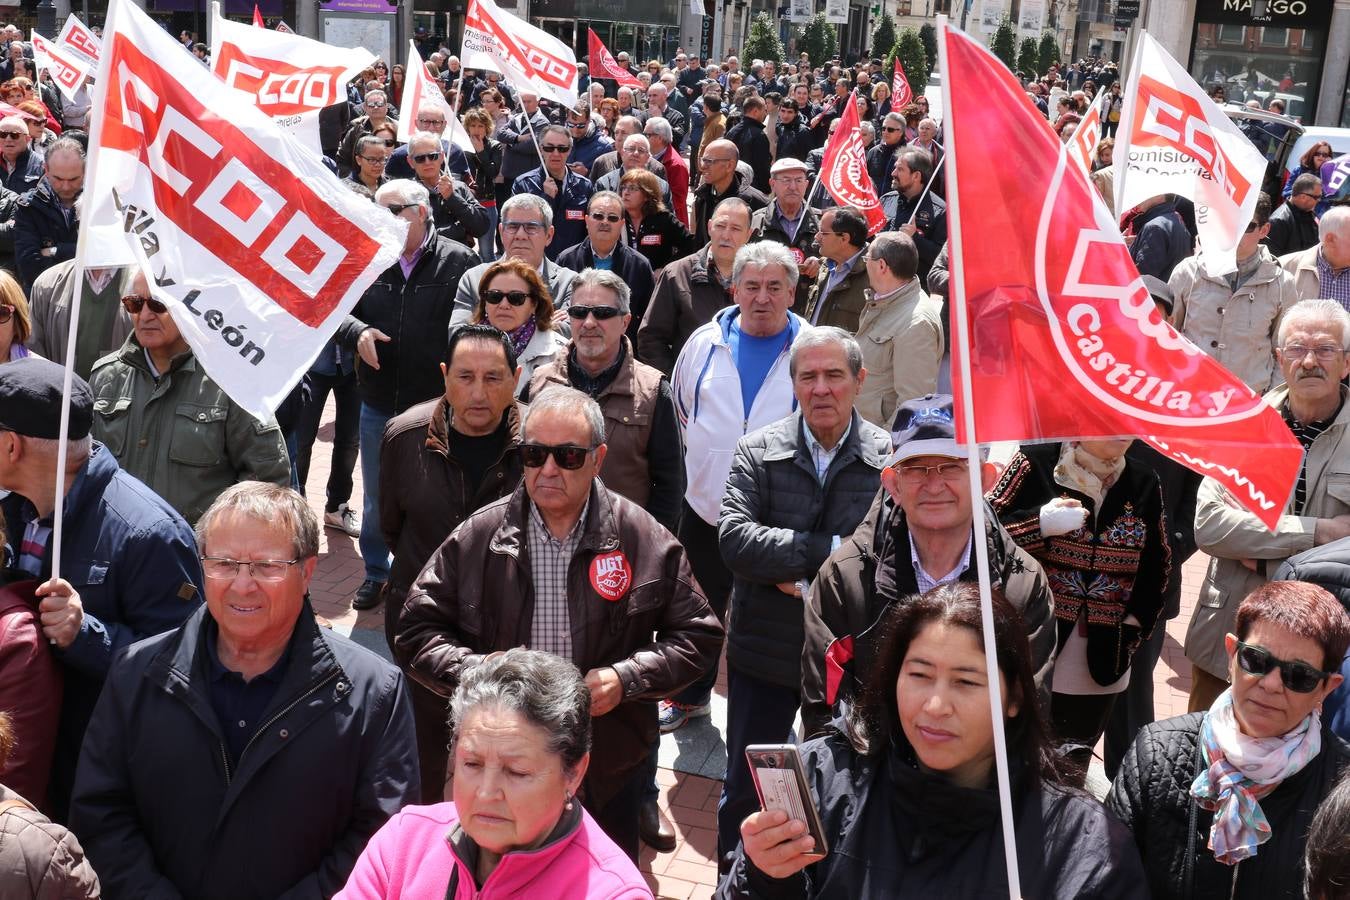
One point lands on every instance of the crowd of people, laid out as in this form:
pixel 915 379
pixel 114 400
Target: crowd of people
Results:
pixel 634 393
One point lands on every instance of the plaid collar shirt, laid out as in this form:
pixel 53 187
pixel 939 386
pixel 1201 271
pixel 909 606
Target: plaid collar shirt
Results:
pixel 1334 283
pixel 551 625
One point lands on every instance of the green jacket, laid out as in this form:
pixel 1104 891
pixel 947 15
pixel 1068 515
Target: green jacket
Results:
pixel 182 436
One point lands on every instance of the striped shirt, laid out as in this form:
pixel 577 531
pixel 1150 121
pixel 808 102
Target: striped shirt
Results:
pixel 1333 283
pixel 551 625
pixel 1306 434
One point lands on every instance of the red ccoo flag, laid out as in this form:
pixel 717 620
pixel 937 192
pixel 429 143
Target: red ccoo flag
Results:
pixel 843 170
pixel 603 64
pixel 257 17
pixel 901 92
pixel 1064 340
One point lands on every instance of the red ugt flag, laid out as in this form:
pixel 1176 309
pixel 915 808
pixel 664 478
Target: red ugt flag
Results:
pixel 843 171
pixel 901 93
pixel 603 64
pixel 1064 340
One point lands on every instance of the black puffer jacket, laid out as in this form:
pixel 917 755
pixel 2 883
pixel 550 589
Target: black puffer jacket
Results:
pixel 1151 795
pixel 897 833
pixel 1327 566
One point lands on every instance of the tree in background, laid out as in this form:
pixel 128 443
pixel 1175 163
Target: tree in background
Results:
pixel 763 42
pixel 1049 50
pixel 928 34
pixel 818 39
pixel 913 59
pixel 1028 58
pixel 1004 44
pixel 883 36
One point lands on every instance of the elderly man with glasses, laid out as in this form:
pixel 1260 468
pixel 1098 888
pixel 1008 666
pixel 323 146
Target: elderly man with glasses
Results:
pixel 248 713
pixel 603 249
pixel 720 181
pixel 398 330
pixel 562 189
pixel 636 152
pixel 573 568
pixel 455 210
pixel 666 151
pixel 433 120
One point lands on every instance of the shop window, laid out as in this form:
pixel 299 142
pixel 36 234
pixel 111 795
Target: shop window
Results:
pixel 1274 37
pixel 904 7
pixel 1261 63
pixel 1231 34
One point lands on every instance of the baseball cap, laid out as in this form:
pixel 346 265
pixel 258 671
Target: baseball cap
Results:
pixel 788 164
pixel 30 399
pixel 925 427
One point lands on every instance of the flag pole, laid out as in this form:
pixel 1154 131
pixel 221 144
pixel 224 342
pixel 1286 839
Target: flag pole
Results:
pixel 852 98
pixel 926 188
pixel 1127 104
pixel 980 540
pixel 535 138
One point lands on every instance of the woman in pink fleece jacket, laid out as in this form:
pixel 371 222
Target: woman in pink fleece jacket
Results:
pixel 522 736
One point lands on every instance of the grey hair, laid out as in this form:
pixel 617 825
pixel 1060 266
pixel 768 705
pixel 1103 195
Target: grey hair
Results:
pixel 823 335
pixel 422 137
pixel 404 191
pixel 383 95
pixel 603 278
pixel 1334 221
pixel 894 117
pixel 603 195
pixel 77 449
pixel 534 203
pixel 263 501
pixel 868 129
pixel 366 141
pixel 547 690
pixel 765 253
pixel 560 398
pixel 733 203
pixel 635 138
pixel 66 145
pixel 1317 310
pixel 660 125
pixel 555 129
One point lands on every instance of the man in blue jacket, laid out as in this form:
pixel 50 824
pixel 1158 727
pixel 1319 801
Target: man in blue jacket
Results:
pixel 564 190
pixel 131 558
pixel 602 249
pixel 250 753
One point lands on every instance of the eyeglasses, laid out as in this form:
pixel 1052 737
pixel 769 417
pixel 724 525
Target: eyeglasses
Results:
pixel 916 475
pixel 556 148
pixel 397 208
pixel 427 157
pixel 530 228
pixel 515 298
pixel 1298 352
pixel 133 303
pixel 431 123
pixel 891 130
pixel 708 160
pixel 269 570
pixel 1299 677
pixel 373 105
pixel 577 124
pixel 636 151
pixel 390 142
pixel 374 160
pixel 6 313
pixel 13 135
pixel 1306 194
pixel 605 217
pixel 601 313
pixel 567 456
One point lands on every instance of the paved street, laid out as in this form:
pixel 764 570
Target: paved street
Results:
pixel 692 759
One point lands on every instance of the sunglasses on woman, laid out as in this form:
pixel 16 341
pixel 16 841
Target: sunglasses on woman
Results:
pixel 6 313
pixel 134 304
pixel 515 298
pixel 567 456
pixel 1297 676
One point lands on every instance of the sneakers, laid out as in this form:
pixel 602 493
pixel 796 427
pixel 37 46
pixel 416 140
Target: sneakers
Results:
pixel 344 519
pixel 677 715
pixel 369 595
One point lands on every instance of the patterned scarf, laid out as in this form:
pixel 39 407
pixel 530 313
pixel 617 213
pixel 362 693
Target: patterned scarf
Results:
pixel 1240 770
pixel 521 336
pixel 1081 471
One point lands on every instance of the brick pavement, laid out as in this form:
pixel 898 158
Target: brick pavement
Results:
pixel 689 872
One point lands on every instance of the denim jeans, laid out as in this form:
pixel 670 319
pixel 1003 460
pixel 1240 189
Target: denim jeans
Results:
pixel 373 551
pixel 705 558
pixel 487 244
pixel 346 438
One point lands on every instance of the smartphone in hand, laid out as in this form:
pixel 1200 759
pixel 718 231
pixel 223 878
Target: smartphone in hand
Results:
pixel 780 781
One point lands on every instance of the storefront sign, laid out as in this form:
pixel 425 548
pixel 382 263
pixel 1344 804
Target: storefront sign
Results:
pixel 1286 13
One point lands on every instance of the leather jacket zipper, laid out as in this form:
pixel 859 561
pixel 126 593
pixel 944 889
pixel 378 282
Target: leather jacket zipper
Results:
pixel 268 724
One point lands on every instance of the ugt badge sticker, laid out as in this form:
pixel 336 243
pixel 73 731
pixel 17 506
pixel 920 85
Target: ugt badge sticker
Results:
pixel 610 575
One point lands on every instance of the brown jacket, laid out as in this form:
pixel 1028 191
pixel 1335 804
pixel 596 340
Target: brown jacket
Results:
pixel 629 403
pixel 40 860
pixel 844 305
pixel 476 596
pixel 423 496
pixel 686 296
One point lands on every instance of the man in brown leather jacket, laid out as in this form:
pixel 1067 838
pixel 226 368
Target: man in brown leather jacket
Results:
pixel 439 462
pixel 568 566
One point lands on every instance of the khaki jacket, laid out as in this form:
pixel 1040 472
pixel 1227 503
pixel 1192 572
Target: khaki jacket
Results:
pixel 183 436
pixel 842 306
pixel 1230 534
pixel 1236 328
pixel 40 860
pixel 49 306
pixel 1303 266
pixel 901 341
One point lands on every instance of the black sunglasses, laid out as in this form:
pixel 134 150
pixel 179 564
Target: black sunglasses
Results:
pixel 1299 677
pixel 13 134
pixel 390 143
pixel 427 157
pixel 605 217
pixel 515 298
pixel 397 208
pixel 601 313
pixel 134 303
pixel 566 456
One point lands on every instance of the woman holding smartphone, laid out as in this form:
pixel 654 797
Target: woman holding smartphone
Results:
pixel 907 793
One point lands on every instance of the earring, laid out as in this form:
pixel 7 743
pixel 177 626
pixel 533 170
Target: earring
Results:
pixel 568 805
